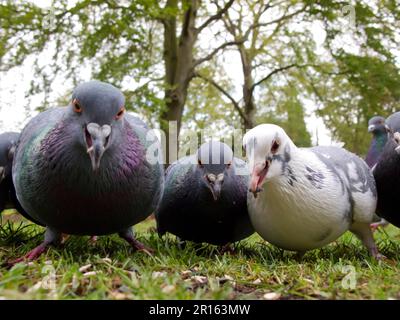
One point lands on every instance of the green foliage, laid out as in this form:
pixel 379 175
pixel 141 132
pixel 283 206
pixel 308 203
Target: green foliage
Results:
pixel 365 81
pixel 286 110
pixel 111 40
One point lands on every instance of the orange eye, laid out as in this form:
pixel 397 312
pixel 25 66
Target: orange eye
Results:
pixel 120 113
pixel 77 106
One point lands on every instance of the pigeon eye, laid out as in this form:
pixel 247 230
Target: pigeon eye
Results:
pixel 120 113
pixel 77 106
pixel 275 147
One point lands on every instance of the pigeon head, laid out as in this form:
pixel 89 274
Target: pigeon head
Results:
pixel 214 163
pixel 377 125
pixel 98 109
pixel 267 146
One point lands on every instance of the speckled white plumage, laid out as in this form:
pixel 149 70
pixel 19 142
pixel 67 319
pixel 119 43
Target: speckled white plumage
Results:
pixel 308 198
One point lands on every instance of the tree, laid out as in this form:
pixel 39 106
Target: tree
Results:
pixel 364 80
pixel 178 54
pixel 284 68
pixel 118 41
pixel 253 25
pixel 178 75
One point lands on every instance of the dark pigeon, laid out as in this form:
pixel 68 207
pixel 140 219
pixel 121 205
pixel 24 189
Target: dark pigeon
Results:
pixel 387 174
pixel 205 197
pixel 387 177
pixel 379 130
pixel 7 145
pixel 84 169
pixel 8 198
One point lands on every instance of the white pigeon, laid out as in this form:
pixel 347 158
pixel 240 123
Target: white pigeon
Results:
pixel 304 198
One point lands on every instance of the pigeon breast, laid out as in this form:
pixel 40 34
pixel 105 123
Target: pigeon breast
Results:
pixel 189 211
pixel 57 186
pixel 321 192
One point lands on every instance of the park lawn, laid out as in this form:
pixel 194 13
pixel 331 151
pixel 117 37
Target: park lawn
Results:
pixel 110 269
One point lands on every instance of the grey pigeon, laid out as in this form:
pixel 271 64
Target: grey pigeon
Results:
pixel 205 197
pixel 393 122
pixel 305 198
pixel 380 134
pixel 379 130
pixel 85 169
pixel 8 199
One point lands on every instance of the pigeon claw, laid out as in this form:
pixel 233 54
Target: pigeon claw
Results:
pixel 228 249
pixel 31 255
pixel 137 245
pixel 376 225
pixel 127 235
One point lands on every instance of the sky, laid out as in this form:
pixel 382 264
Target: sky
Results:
pixel 15 84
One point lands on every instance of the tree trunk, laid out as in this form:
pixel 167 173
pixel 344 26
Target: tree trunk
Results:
pixel 248 99
pixel 178 60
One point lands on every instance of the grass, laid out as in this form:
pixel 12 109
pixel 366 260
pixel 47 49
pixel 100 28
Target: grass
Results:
pixel 109 269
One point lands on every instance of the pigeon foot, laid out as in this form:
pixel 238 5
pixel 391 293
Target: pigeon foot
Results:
pixel 364 233
pixel 50 237
pixel 228 248
pixel 93 240
pixel 381 224
pixel 135 244
pixel 31 255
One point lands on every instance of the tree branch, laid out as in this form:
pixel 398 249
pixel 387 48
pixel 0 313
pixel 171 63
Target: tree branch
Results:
pixel 224 92
pixel 139 88
pixel 215 51
pixel 216 16
pixel 279 20
pixel 269 75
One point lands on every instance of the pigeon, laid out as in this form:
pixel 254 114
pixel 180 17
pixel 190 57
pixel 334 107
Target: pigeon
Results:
pixel 88 169
pixel 304 198
pixel 379 130
pixel 7 147
pixel 8 198
pixel 205 197
pixel 393 122
pixel 387 176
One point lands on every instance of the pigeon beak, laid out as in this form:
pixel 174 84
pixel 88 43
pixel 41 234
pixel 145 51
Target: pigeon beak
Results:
pixel 371 128
pixel 97 138
pixel 215 185
pixel 257 177
pixel 2 171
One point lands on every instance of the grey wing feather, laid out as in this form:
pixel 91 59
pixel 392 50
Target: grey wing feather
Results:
pixel 339 159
